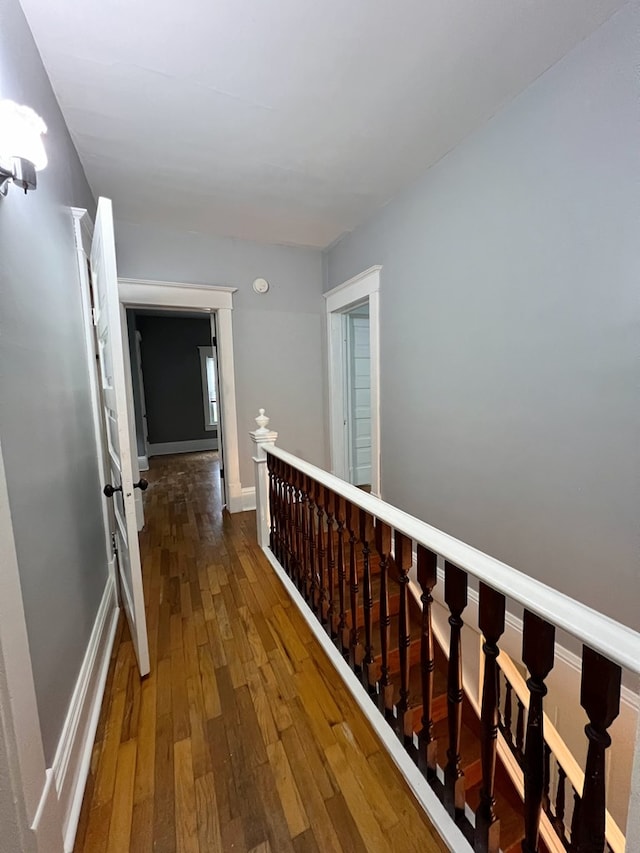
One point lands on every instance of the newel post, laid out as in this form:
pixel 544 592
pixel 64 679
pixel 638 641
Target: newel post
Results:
pixel 262 439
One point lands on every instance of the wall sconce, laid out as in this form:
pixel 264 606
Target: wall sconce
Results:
pixel 22 151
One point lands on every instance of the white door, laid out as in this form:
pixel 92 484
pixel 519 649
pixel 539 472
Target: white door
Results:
pixel 104 282
pixel 214 344
pixel 358 404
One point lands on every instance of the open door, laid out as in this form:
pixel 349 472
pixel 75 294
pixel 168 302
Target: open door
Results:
pixel 120 489
pixel 214 344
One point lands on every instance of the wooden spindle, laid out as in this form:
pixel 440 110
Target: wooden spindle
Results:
pixel 278 509
pixel 600 698
pixel 383 547
pixel 547 778
pixel 365 533
pixel 272 502
pixel 288 524
pixel 403 558
pixel 311 519
pixel 427 570
pixel 321 555
pixel 329 503
pixel 558 818
pixel 304 527
pixel 351 522
pixel 455 595
pixel 538 643
pixel 491 611
pixel 281 515
pixel 520 731
pixel 299 522
pixel 508 734
pixel 342 633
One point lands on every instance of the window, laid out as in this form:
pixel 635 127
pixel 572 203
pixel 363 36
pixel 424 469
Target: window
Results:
pixel 209 387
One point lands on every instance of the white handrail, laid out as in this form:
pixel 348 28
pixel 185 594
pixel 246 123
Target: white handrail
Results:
pixel 612 639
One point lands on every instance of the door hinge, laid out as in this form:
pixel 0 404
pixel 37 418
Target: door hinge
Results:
pixel 114 543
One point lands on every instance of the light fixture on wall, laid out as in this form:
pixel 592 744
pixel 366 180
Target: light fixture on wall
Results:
pixel 22 152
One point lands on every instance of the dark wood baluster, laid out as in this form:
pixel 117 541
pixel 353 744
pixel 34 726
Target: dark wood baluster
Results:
pixel 558 818
pixel 299 538
pixel 455 595
pixel 304 535
pixel 547 778
pixel 329 503
pixel 365 532
pixel 282 517
pixel 278 509
pixel 520 732
pixel 427 578
pixel 491 621
pixel 403 558
pixel 272 502
pixel 508 734
pixel 351 521
pixel 343 634
pixel 600 698
pixel 311 519
pixel 291 510
pixel 383 547
pixel 321 555
pixel 288 526
pixel 538 643
pixel 576 808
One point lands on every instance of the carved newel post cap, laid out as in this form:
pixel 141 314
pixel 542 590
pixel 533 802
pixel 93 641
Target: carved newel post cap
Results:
pixel 262 420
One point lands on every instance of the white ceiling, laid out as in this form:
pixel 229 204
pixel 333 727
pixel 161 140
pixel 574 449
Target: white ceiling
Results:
pixel 286 121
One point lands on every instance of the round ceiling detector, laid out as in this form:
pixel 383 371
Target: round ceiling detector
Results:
pixel 261 285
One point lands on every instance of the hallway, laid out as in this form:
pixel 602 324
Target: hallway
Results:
pixel 242 738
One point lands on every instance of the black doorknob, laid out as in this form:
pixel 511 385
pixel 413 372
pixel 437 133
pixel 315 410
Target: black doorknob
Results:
pixel 109 490
pixel 142 484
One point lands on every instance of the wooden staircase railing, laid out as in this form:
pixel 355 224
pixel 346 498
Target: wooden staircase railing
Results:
pixel 351 557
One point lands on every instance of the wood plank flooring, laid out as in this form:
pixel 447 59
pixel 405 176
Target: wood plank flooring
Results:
pixel 243 737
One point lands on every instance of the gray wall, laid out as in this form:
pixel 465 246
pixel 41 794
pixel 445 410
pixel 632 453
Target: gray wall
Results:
pixel 172 377
pixel 278 337
pixel 45 414
pixel 510 330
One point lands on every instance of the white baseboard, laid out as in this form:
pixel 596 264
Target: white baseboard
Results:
pixel 239 499
pixel 47 824
pixel 73 755
pixel 248 498
pixel 143 463
pixel 167 447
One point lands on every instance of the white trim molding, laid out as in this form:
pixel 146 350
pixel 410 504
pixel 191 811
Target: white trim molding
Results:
pixel 165 448
pixel 182 296
pixel 73 755
pixel 249 498
pixel 29 824
pixel 364 287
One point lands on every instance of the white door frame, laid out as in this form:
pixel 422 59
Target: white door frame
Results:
pixel 182 296
pixel 364 287
pixel 83 232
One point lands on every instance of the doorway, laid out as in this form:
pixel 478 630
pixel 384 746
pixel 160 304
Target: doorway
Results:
pixel 357 391
pixel 212 302
pixel 354 379
pixel 175 385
